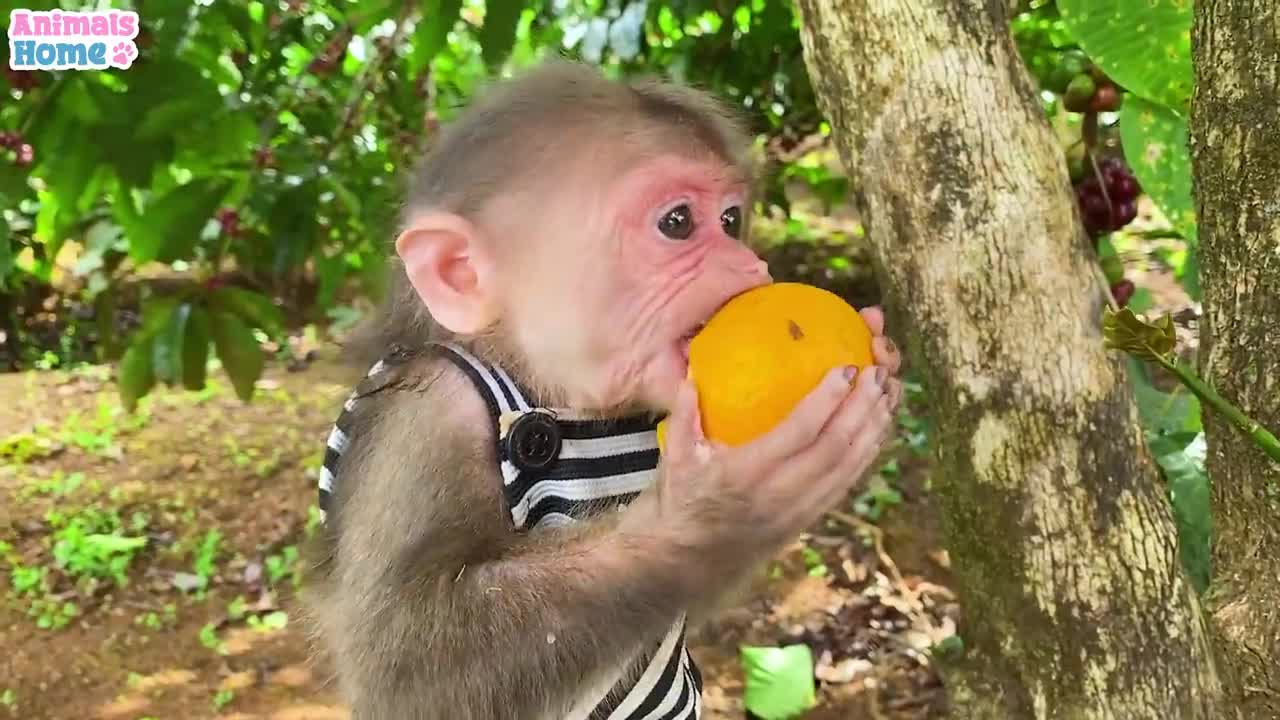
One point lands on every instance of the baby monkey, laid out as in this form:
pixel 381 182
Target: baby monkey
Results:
pixel 501 539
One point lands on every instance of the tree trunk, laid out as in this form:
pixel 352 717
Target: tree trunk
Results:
pixel 1235 130
pixel 1059 527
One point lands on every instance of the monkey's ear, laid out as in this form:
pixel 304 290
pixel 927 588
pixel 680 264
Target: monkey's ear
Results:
pixel 448 265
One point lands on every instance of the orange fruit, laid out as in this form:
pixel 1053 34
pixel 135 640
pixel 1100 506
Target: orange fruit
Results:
pixel 766 349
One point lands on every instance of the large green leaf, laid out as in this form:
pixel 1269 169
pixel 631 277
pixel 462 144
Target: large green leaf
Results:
pixel 779 681
pixel 438 18
pixel 1181 457
pixel 169 342
pixel 1145 45
pixel 255 309
pixel 1163 412
pixel 238 350
pixel 195 348
pixel 1156 146
pixel 293 226
pixel 498 34
pixel 136 374
pixel 170 225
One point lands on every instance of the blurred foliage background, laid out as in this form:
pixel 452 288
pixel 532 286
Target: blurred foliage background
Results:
pixel 237 187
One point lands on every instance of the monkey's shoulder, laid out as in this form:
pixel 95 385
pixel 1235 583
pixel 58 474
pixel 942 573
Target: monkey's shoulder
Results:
pixel 423 405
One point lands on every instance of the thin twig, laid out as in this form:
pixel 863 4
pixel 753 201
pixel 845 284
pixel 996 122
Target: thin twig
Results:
pixel 360 87
pixel 877 536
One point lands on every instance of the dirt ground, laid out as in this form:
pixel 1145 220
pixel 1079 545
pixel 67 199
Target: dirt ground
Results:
pixel 221 494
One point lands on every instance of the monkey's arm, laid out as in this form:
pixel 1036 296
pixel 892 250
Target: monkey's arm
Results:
pixel 440 610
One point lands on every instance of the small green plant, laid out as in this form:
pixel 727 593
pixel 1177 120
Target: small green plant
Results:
pixel 878 496
pixel 206 559
pixel 284 565
pixel 209 638
pixel 59 484
pixel 223 698
pixel 814 562
pixel 89 544
pixel 277 620
pixel 9 699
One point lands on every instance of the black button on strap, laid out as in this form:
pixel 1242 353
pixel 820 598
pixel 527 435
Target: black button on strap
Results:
pixel 533 442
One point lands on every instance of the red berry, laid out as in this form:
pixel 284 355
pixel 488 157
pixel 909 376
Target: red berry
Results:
pixel 26 154
pixel 1106 99
pixel 1124 188
pixel 264 157
pixel 1123 292
pixel 230 221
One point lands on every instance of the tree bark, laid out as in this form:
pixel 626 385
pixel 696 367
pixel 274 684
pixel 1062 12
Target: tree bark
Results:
pixel 1059 527
pixel 1235 132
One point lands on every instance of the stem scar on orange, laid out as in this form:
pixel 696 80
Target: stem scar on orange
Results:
pixel 766 349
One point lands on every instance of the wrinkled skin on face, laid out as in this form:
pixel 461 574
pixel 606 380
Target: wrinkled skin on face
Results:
pixel 640 260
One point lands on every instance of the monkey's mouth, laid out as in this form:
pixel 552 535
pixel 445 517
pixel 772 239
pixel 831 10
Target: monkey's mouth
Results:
pixel 683 343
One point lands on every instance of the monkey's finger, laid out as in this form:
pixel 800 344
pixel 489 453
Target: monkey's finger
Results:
pixel 842 429
pixel 684 426
pixel 893 388
pixel 874 318
pixel 800 428
pixel 862 453
pixel 886 353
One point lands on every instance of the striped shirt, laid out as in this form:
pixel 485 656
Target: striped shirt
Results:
pixel 559 466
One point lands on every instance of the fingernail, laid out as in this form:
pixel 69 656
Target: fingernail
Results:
pixel 850 373
pixel 890 346
pixel 881 375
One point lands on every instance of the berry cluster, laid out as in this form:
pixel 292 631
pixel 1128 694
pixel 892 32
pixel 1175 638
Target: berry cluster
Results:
pixel 1108 201
pixel 24 154
pixel 229 219
pixel 23 80
pixel 1084 86
pixel 333 51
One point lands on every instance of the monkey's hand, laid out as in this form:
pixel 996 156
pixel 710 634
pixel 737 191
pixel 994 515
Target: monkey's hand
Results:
pixel 725 508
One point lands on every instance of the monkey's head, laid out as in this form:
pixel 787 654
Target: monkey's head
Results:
pixel 579 230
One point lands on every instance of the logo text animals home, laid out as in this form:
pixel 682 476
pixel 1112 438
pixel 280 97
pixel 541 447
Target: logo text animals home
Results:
pixel 62 40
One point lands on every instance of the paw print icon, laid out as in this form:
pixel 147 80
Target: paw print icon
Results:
pixel 123 54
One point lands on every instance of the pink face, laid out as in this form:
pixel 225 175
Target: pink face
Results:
pixel 645 258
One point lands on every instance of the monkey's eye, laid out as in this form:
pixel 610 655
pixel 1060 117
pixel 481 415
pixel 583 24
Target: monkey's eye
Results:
pixel 677 224
pixel 731 221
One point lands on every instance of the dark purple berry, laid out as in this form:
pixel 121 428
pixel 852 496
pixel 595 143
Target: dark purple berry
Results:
pixel 1123 292
pixel 1123 214
pixel 1124 188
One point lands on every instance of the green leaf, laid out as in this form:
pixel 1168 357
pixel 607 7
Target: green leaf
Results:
pixel 170 226
pixel 254 308
pixel 1181 457
pixel 498 34
pixel 238 350
pixel 1190 276
pixel 438 18
pixel 168 344
pixel 6 253
pixel 157 314
pixel 1162 412
pixel 293 226
pixel 182 112
pixel 1144 45
pixel 137 375
pixel 1148 341
pixel 1156 148
pixel 195 349
pixel 229 138
pixel 779 681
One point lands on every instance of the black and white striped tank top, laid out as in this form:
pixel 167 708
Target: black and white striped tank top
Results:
pixel 557 467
